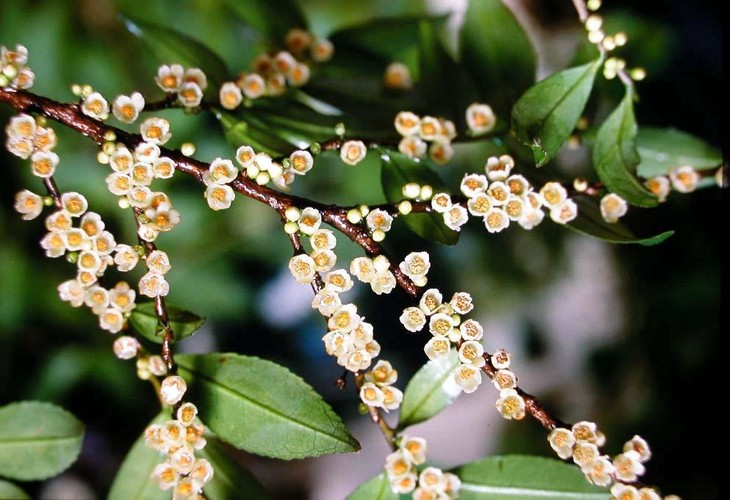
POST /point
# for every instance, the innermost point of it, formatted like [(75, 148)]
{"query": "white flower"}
[(470, 353), (221, 171), (345, 319), (172, 389), (146, 152), (111, 320), (71, 291), (158, 262), (322, 50), (43, 164), (599, 471), (414, 449), (480, 118), (155, 130), (230, 95), (21, 126), (326, 302), (253, 85), (338, 281), (196, 76), (126, 347), (190, 94), (431, 301), (441, 202), (684, 179), (301, 162), (473, 184), (363, 269), (628, 466), (413, 146), (584, 454), (471, 330), (298, 75), (416, 265), (309, 221), (613, 207), (383, 282), (437, 347), (153, 285), (467, 377), (323, 239), (95, 106), (515, 208), (324, 260), (455, 217), (659, 186), (397, 465), (407, 123), (510, 404), (441, 151), (553, 194), (479, 204), (163, 168), (497, 170), (379, 219), (564, 212), (531, 218), (639, 445), (562, 441), (219, 196), (28, 204), (127, 108), (142, 174), (397, 76), (371, 394), (353, 152), (169, 78), (461, 303), (121, 160), (302, 268)]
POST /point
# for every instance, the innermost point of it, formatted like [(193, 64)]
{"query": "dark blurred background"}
[(623, 335)]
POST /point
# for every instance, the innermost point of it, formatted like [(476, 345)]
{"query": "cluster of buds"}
[(133, 173), (13, 70), (511, 405), (377, 391), (178, 439), (425, 134), (582, 443), (188, 84), (431, 482), (350, 337), (273, 72)]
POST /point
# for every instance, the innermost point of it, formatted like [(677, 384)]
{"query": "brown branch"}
[(70, 116)]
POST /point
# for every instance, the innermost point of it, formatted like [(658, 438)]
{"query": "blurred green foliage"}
[(223, 263)]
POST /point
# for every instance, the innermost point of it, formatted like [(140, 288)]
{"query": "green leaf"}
[(172, 47), (546, 114), (497, 53), (398, 170), (519, 477), (270, 18), (9, 491), (263, 408), (661, 149), (253, 132), (37, 440), (429, 391), (183, 323), (231, 480), (446, 90), (590, 222), (615, 156), (375, 488), (132, 481)]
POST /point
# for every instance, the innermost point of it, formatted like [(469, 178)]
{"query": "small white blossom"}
[(441, 202), (397, 76), (613, 207), (379, 219), (659, 186), (413, 146), (467, 377), (562, 442), (326, 302), (190, 94), (371, 394), (553, 194), (510, 404), (416, 265), (353, 152), (169, 78), (584, 454), (126, 347), (219, 196), (684, 179), (461, 303), (253, 85), (628, 466), (441, 151), (95, 106), (172, 389), (363, 269), (155, 130), (480, 118), (455, 217), (383, 282), (302, 268), (111, 319), (599, 471), (471, 330), (431, 301), (43, 164), (153, 285), (301, 162), (323, 239), (473, 184), (309, 221), (479, 204), (126, 109), (496, 220), (28, 204), (230, 95), (407, 123), (221, 171), (71, 291), (437, 347), (565, 212), (338, 281), (470, 353), (639, 445)]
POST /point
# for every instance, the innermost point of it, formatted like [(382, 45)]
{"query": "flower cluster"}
[(188, 84), (350, 337), (375, 271), (431, 482), (272, 73), (378, 391), (27, 138), (133, 173), (418, 132), (178, 439), (582, 443), (511, 405), (500, 197), (13, 70)]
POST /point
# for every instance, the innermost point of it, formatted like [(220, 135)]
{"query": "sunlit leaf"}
[(37, 440), (132, 481), (183, 323), (546, 114), (272, 19), (172, 47), (398, 170), (661, 149), (375, 488), (518, 477), (497, 53), (429, 391), (253, 132), (591, 223), (263, 408), (615, 157), (10, 491)]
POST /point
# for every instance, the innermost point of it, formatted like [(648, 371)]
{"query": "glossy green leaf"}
[(37, 440), (231, 480), (272, 19), (615, 157), (398, 170), (375, 488), (497, 53), (446, 90), (183, 323), (251, 131), (519, 477), (546, 114), (429, 391), (661, 149), (132, 481), (10, 491), (172, 47), (590, 222), (263, 408)]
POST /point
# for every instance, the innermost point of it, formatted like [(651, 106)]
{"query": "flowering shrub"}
[(286, 115)]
